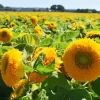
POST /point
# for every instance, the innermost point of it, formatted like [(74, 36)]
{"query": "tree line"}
[(55, 8)]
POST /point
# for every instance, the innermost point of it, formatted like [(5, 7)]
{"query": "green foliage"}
[(46, 42), (95, 86), (30, 39), (77, 94), (69, 35), (25, 46), (56, 79)]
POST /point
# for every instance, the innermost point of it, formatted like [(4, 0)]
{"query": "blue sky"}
[(68, 4)]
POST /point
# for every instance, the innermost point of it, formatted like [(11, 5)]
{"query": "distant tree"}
[(57, 8), (53, 8), (60, 8), (1, 6)]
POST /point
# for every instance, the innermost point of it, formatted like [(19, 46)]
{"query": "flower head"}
[(39, 30), (52, 25), (92, 34), (81, 60), (34, 19), (50, 55), (19, 88), (11, 67), (5, 35)]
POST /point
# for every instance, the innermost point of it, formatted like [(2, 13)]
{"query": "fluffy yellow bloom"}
[(92, 34), (34, 19), (11, 67), (39, 30), (50, 55), (81, 60), (5, 35), (52, 25), (19, 88)]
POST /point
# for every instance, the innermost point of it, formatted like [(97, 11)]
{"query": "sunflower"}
[(11, 67), (19, 89), (81, 60), (5, 35), (50, 55), (34, 19), (39, 30), (52, 25), (92, 34), (12, 24)]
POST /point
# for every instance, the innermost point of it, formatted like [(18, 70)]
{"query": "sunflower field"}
[(49, 56)]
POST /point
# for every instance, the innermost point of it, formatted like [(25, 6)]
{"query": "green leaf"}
[(57, 93), (46, 42), (30, 39), (25, 46), (28, 69), (56, 79), (96, 86), (77, 94), (69, 35)]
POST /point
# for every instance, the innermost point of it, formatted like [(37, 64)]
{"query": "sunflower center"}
[(83, 59), (4, 34)]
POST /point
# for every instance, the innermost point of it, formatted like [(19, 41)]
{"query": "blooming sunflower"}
[(52, 25), (34, 19), (5, 35), (12, 24), (81, 60), (11, 67), (19, 89), (92, 34), (39, 30), (50, 55)]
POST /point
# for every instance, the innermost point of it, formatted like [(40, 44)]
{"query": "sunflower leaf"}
[(46, 42), (95, 86), (29, 39), (56, 79), (25, 46), (77, 94)]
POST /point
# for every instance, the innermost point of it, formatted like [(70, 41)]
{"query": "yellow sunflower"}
[(92, 34), (12, 24), (11, 67), (34, 19), (19, 89), (81, 60), (5, 35), (50, 55), (39, 30), (52, 25)]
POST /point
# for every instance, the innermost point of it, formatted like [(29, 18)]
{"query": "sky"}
[(68, 4)]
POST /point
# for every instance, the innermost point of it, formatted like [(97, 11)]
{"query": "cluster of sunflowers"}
[(49, 59)]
